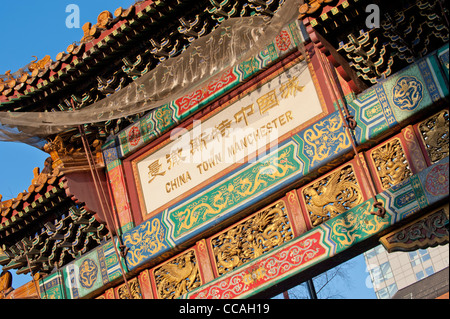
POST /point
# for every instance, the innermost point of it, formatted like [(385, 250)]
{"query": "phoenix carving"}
[(178, 276), (332, 195)]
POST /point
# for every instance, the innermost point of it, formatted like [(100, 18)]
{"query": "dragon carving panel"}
[(391, 164), (252, 238), (332, 195), (434, 132), (178, 276)]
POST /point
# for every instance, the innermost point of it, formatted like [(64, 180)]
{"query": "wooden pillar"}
[(204, 262), (144, 283), (300, 221), (116, 181)]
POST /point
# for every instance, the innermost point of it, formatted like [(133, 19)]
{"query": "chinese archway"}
[(331, 139)]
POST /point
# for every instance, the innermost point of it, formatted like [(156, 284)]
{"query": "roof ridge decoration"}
[(230, 42)]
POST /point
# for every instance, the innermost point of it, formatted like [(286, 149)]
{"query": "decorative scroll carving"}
[(428, 231), (332, 195), (435, 134), (391, 164), (122, 292), (178, 276), (251, 238)]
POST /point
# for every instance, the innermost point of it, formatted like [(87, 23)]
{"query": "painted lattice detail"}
[(391, 164), (178, 276), (251, 238), (332, 195), (435, 134)]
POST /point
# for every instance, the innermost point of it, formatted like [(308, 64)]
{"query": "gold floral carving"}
[(122, 292), (434, 131), (178, 276), (332, 195), (391, 164), (251, 238)]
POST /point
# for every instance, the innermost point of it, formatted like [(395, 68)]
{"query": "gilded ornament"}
[(332, 195), (356, 225), (407, 93), (391, 164), (122, 292), (435, 134), (144, 241), (324, 139), (235, 190), (88, 273), (178, 277), (252, 238)]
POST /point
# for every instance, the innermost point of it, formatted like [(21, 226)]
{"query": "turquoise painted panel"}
[(146, 241), (92, 271), (233, 192), (399, 97), (443, 60), (51, 287)]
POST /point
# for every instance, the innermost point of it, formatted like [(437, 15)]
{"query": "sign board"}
[(241, 132)]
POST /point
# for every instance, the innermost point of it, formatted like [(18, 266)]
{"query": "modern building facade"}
[(391, 272)]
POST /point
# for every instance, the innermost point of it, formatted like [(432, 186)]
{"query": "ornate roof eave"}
[(115, 52), (106, 44), (48, 77), (46, 225)]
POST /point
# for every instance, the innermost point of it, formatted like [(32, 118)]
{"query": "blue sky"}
[(31, 27)]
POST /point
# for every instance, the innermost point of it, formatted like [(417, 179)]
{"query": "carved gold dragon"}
[(391, 164), (251, 238), (435, 132)]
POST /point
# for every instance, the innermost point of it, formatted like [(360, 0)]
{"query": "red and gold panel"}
[(144, 283)]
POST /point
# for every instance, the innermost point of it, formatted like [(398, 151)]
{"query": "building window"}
[(418, 257), (374, 251), (381, 273), (429, 271), (387, 292), (419, 275)]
